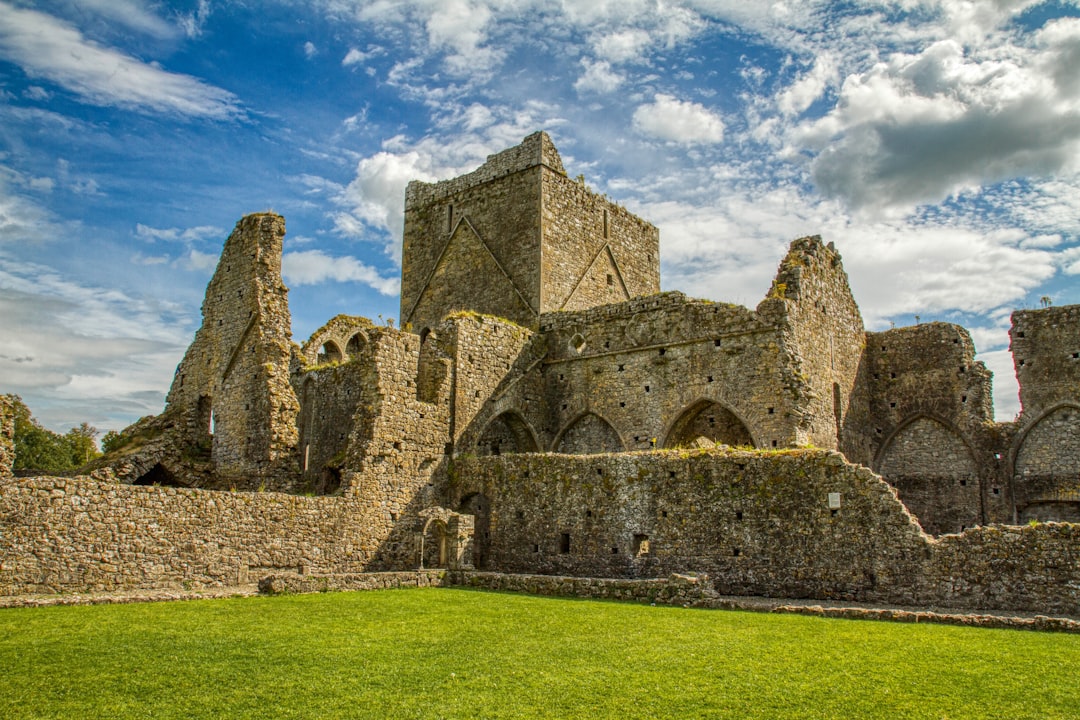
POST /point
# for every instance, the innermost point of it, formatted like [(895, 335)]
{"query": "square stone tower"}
[(516, 238)]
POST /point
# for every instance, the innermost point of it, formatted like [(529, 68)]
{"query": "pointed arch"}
[(1046, 466), (707, 422), (507, 432), (330, 352), (933, 469), (356, 344), (588, 434)]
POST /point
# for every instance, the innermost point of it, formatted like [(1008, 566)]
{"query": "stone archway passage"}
[(705, 424), (507, 433), (436, 545)]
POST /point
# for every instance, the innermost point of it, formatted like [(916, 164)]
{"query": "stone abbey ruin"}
[(544, 408)]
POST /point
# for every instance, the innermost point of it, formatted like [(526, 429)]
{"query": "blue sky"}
[(936, 142)]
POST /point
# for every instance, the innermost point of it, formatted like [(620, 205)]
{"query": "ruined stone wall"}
[(342, 338), (329, 397), (1045, 346), (823, 340), (491, 357), (652, 372), (930, 426), (794, 524), (78, 535), (594, 251), (1045, 454), (7, 437), (397, 449), (232, 393)]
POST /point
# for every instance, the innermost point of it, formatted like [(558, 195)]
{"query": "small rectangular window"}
[(564, 543)]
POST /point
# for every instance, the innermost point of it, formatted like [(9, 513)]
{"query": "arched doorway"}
[(477, 505), (435, 550)]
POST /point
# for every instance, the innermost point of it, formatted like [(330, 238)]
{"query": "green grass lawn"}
[(458, 653)]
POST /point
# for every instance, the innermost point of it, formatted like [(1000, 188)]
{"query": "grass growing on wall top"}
[(467, 654)]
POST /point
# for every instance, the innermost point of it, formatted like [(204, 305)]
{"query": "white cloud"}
[(376, 196), (808, 88), (919, 128), (35, 92), (131, 14), (311, 267), (311, 51), (46, 47), (193, 22), (598, 77), (1006, 388), (22, 219), (191, 234), (197, 261), (623, 45), (678, 121)]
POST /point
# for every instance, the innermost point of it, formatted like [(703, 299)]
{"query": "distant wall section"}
[(7, 437)]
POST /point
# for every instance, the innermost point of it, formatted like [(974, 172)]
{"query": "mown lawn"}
[(436, 653)]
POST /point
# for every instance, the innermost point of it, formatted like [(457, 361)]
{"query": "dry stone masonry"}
[(544, 409), (7, 437)]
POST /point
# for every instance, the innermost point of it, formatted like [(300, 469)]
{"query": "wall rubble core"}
[(544, 408)]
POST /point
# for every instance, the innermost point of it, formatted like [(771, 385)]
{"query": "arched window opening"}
[(507, 433), (329, 353), (356, 345)]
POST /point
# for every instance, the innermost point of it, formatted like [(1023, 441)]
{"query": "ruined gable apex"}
[(231, 392)]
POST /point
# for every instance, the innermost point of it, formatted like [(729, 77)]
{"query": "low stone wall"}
[(794, 524), (756, 524), (685, 590), (84, 535), (292, 583)]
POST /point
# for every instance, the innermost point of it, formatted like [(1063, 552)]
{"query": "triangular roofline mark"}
[(618, 273), (427, 282)]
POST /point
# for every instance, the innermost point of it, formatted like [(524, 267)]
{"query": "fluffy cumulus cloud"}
[(375, 197), (598, 78), (809, 87), (48, 48), (310, 267), (918, 128), (678, 121)]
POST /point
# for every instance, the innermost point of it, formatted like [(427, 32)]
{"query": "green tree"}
[(38, 448), (81, 440), (111, 440)]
